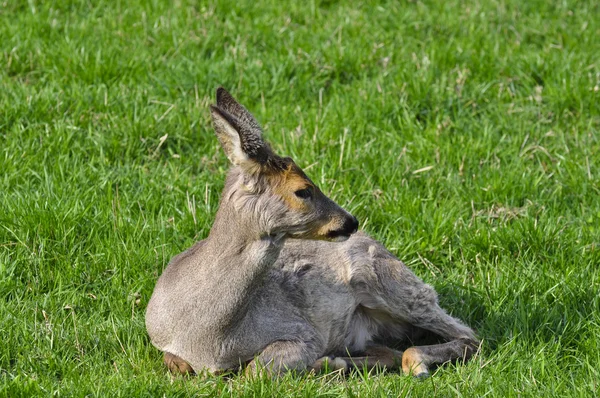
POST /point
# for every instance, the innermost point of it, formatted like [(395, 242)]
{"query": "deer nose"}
[(350, 225)]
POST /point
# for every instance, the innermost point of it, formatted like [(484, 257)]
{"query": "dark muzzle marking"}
[(350, 226)]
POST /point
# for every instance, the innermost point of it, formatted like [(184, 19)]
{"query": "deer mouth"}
[(340, 238)]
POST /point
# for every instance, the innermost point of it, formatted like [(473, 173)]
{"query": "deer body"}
[(273, 287)]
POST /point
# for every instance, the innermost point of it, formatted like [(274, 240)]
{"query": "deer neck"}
[(237, 232), (237, 255)]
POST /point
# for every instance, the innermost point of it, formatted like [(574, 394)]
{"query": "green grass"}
[(465, 135)]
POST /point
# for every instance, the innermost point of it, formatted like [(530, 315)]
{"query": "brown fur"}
[(178, 366), (413, 362), (288, 181)]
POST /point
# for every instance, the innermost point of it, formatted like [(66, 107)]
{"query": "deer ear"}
[(228, 136), (227, 102), (242, 145)]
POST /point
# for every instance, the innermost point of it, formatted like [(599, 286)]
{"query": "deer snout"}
[(349, 226)]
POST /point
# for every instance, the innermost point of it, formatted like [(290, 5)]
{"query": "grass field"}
[(465, 135)]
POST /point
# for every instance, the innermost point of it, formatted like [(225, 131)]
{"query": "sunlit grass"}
[(463, 135)]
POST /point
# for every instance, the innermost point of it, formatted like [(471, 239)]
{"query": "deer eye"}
[(303, 193)]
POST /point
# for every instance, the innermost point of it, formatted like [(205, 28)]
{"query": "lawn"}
[(464, 135)]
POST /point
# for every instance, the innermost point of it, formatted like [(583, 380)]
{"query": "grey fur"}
[(228, 103), (252, 293)]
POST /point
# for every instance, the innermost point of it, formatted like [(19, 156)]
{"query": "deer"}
[(284, 281)]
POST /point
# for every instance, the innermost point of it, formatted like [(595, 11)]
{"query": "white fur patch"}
[(358, 336), (230, 140), (372, 249), (238, 156), (338, 364)]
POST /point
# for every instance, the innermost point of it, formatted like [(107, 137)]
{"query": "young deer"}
[(283, 282)]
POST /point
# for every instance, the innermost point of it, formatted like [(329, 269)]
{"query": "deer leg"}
[(390, 288), (460, 341), (375, 357), (416, 360), (177, 366), (283, 356)]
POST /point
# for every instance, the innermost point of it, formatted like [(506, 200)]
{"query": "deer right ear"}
[(228, 136), (242, 145), (226, 102)]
